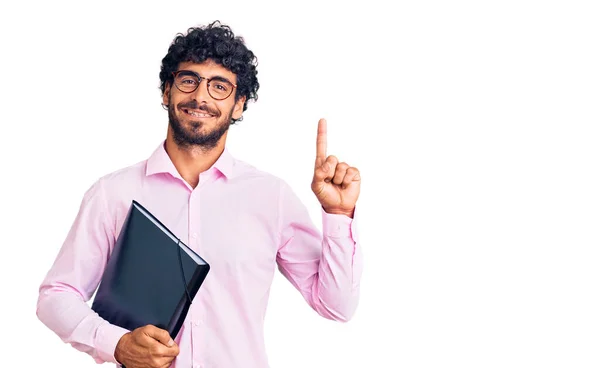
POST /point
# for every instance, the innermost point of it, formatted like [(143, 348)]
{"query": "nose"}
[(201, 93)]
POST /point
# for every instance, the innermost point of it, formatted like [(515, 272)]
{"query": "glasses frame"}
[(208, 80)]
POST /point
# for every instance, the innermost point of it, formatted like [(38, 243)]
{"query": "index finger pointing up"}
[(321, 142)]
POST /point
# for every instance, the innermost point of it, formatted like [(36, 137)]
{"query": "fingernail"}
[(171, 342), (326, 167)]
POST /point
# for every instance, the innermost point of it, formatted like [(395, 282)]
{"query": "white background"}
[(475, 125)]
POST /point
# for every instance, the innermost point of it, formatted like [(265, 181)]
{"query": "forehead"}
[(208, 69)]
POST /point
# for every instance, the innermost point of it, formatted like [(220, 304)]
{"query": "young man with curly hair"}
[(243, 221)]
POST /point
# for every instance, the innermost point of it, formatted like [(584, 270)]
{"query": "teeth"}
[(198, 114)]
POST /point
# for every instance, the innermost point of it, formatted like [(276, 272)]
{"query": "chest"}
[(236, 232)]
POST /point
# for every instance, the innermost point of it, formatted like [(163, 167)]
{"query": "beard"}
[(192, 136)]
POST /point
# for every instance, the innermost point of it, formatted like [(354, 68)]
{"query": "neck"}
[(191, 161)]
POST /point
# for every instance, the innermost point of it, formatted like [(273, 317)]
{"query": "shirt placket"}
[(196, 312)]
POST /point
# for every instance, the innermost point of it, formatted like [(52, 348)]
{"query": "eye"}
[(220, 86), (188, 81)]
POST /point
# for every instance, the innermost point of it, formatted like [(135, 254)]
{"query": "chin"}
[(195, 125)]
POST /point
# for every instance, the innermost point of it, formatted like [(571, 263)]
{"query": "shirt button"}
[(196, 323), (194, 235)]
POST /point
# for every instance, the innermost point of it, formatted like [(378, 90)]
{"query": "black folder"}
[(151, 276)]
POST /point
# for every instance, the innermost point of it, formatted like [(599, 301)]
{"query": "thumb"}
[(160, 335)]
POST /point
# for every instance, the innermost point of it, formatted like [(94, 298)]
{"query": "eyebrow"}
[(216, 77), (222, 79)]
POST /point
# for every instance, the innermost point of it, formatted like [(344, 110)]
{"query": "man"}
[(243, 221)]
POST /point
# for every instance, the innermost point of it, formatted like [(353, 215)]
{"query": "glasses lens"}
[(220, 89), (186, 82)]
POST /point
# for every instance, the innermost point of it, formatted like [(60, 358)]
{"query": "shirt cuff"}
[(107, 339), (339, 226)]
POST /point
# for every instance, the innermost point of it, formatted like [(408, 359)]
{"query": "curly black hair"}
[(216, 42)]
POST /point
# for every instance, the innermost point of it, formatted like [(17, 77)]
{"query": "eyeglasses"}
[(188, 81)]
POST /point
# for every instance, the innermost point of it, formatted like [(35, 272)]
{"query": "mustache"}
[(194, 105)]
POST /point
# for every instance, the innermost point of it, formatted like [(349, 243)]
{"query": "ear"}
[(166, 94), (238, 109)]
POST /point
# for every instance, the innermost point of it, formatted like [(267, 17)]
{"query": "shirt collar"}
[(160, 162)]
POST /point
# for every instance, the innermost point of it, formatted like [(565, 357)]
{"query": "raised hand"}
[(147, 346), (336, 184)]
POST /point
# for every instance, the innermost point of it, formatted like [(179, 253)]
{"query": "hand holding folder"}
[(146, 346), (151, 276)]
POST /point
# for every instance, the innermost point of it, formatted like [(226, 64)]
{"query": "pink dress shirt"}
[(242, 221)]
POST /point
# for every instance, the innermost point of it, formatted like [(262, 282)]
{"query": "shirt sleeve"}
[(326, 268), (73, 278)]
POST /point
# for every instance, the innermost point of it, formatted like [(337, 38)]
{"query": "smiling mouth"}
[(197, 113)]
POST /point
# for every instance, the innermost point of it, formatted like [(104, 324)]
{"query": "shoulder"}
[(261, 185), (248, 173), (116, 181), (125, 175)]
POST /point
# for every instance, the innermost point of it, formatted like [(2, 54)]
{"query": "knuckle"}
[(154, 349)]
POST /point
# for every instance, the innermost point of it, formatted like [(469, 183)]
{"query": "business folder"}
[(151, 276)]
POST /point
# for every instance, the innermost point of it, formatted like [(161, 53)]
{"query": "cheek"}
[(174, 101), (224, 108)]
